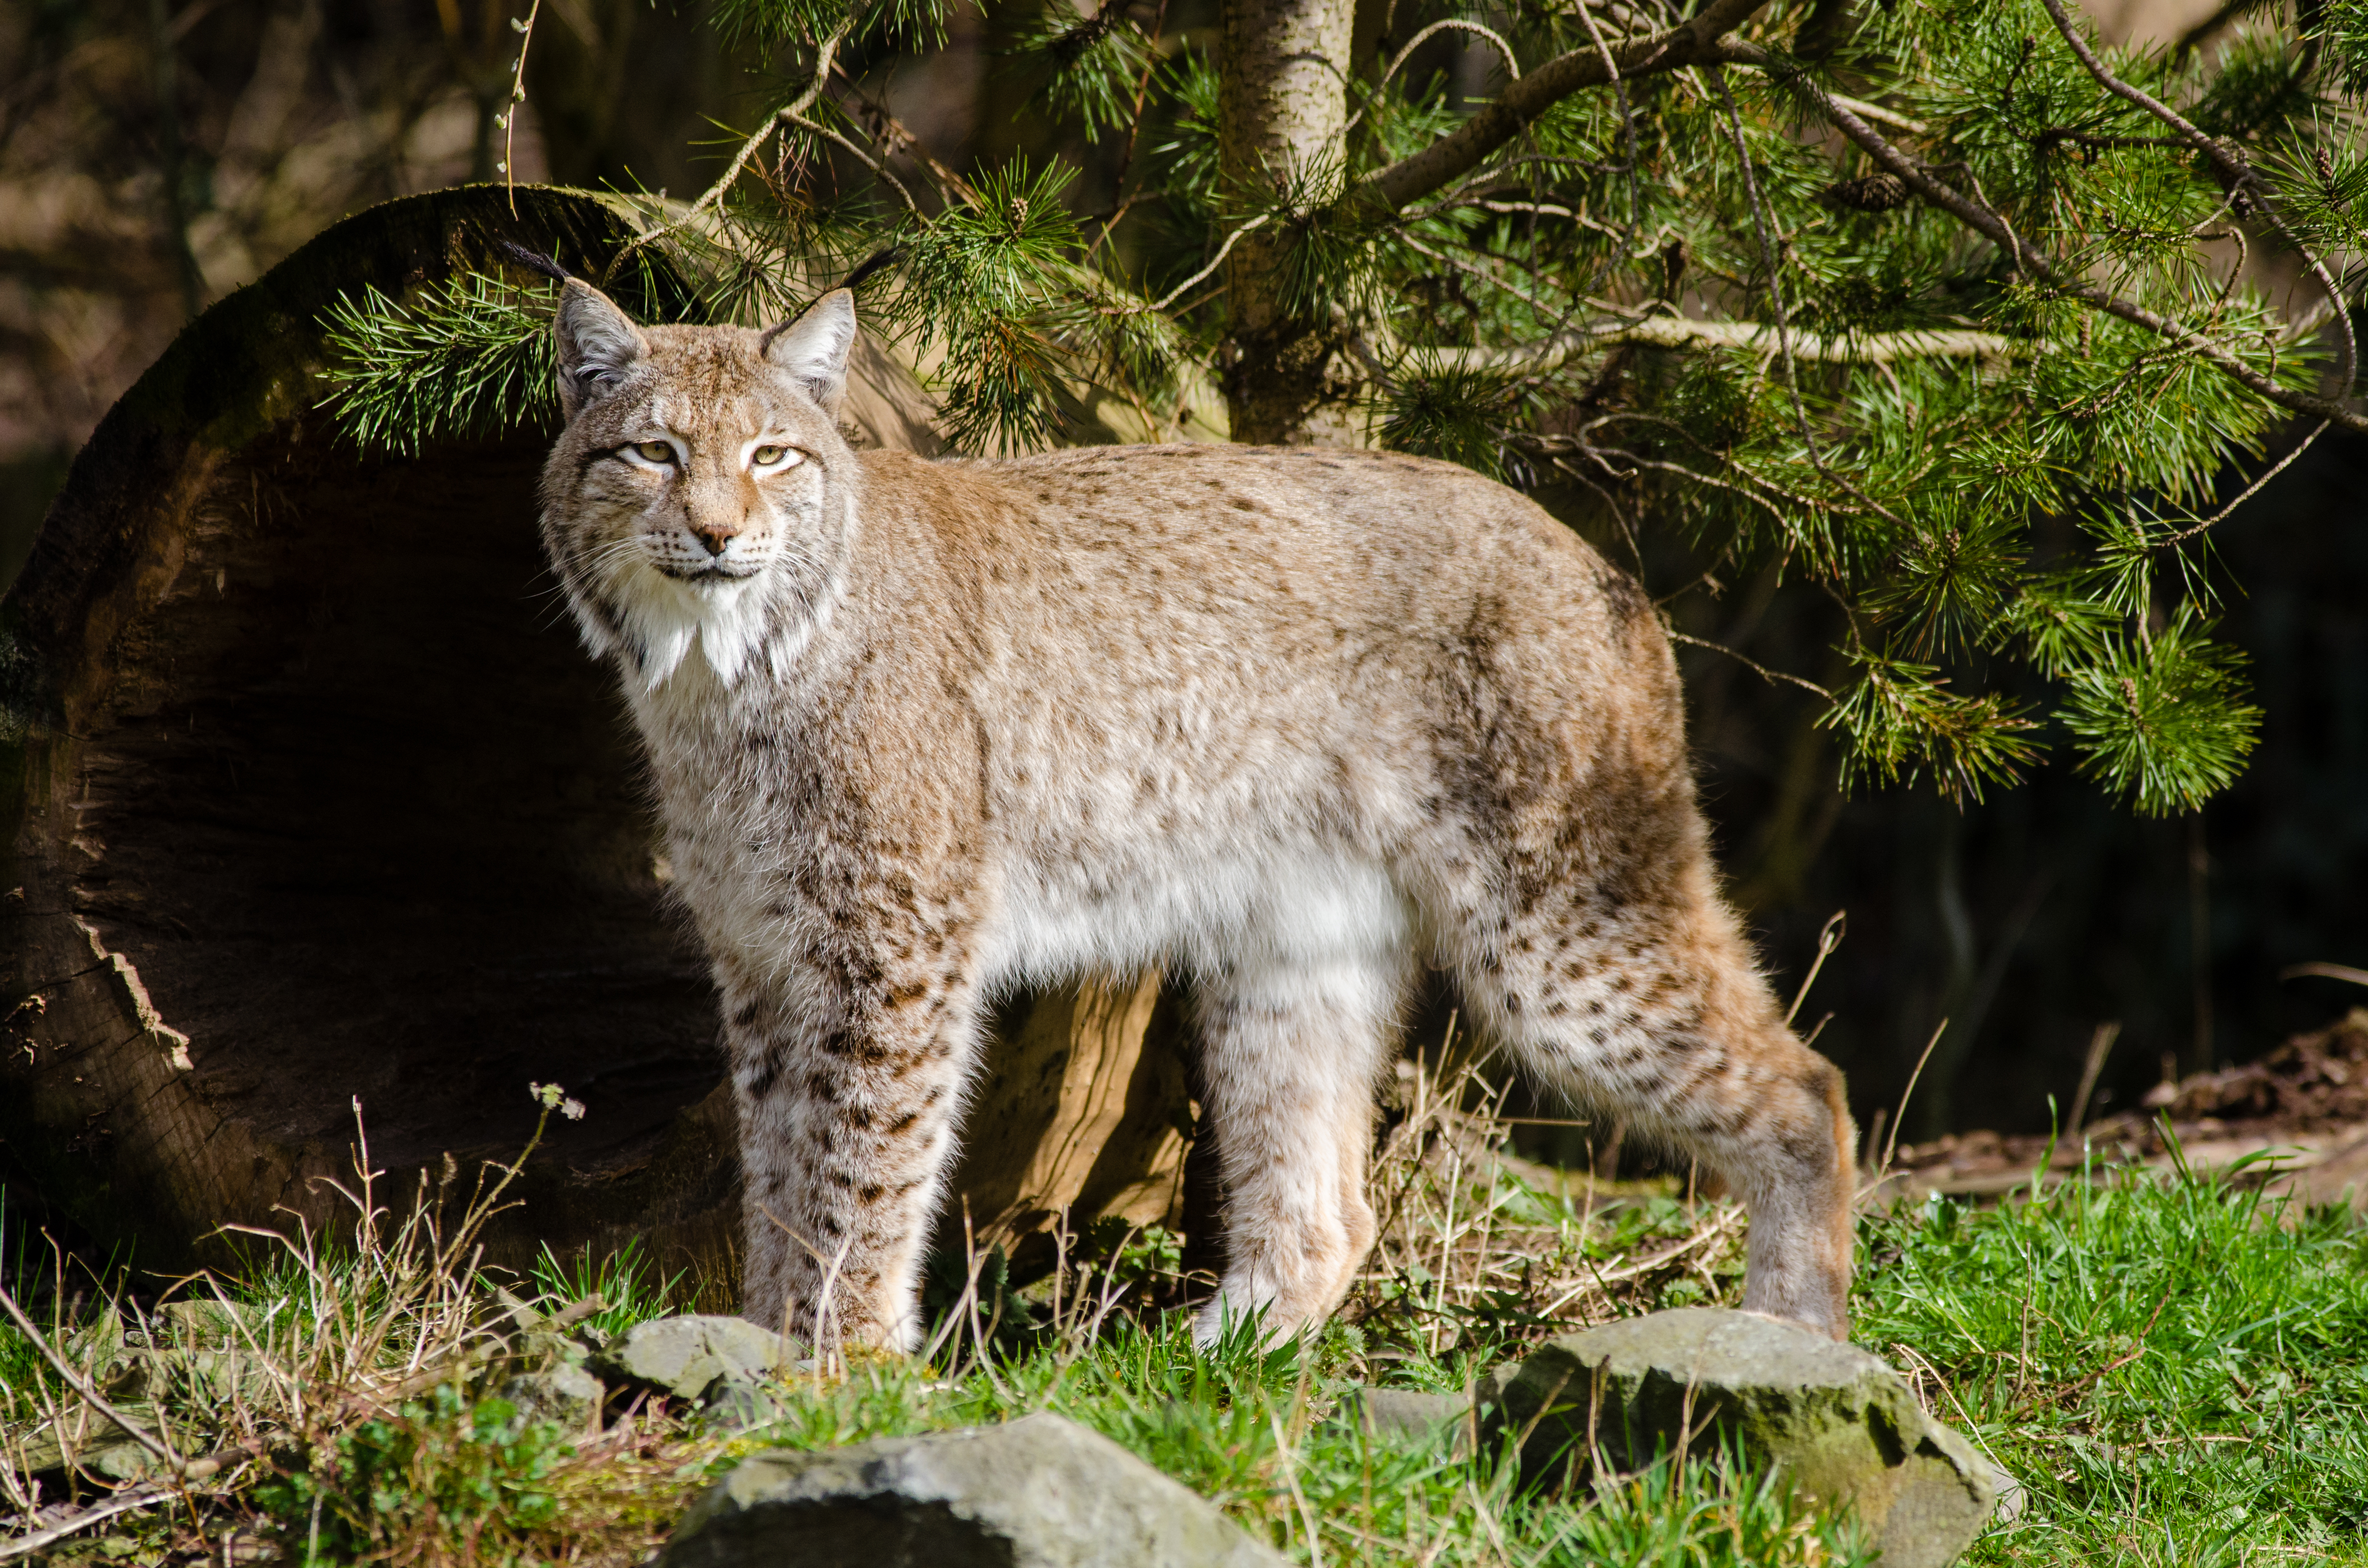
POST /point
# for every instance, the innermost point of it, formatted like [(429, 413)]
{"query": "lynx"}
[(1289, 722)]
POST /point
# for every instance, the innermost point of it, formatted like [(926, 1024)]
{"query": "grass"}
[(2175, 1369)]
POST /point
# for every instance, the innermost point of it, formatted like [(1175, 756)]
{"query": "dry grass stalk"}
[(1476, 1244), (316, 1336)]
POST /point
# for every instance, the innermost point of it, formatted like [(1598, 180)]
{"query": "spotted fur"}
[(1286, 721)]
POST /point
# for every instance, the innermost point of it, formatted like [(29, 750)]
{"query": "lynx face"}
[(702, 498)]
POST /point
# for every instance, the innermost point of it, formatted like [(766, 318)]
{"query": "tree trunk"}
[(318, 809), (1284, 114)]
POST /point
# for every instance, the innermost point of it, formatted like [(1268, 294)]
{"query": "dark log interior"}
[(367, 820)]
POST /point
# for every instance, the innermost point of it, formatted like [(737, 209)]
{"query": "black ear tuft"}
[(533, 260), (878, 261)]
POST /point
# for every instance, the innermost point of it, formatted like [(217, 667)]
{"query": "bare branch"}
[(1681, 331), (1691, 43), (125, 1501), (1512, 62), (789, 114), (1214, 262), (517, 95), (1772, 677), (1881, 116), (2276, 469)]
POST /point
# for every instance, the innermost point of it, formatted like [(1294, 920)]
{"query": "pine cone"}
[(1876, 193)]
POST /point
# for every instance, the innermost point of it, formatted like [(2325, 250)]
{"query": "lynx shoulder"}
[(1290, 722)]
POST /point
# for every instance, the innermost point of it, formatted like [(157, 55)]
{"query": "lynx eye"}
[(654, 451), (775, 457)]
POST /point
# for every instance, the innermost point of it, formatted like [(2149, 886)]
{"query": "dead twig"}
[(85, 1393)]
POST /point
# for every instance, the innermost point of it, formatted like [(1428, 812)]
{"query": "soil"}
[(2298, 1107)]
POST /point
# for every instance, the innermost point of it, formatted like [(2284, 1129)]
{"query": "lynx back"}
[(1290, 722)]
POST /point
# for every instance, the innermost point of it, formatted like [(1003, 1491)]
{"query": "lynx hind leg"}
[(1291, 1052), (1649, 1009)]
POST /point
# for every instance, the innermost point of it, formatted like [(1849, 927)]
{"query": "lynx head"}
[(700, 493)]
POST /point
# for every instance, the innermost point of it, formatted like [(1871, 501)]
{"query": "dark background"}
[(155, 156)]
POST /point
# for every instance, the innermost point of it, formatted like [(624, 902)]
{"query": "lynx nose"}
[(714, 536)]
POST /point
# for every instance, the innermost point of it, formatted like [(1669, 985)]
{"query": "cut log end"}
[(320, 811)]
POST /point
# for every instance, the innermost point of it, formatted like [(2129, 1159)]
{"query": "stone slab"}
[(1041, 1492)]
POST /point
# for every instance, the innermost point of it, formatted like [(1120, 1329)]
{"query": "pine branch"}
[(2243, 180), (2035, 263), (467, 357), (1691, 43), (2161, 722), (791, 113)]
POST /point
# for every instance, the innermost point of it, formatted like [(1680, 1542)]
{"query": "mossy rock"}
[(1833, 1417)]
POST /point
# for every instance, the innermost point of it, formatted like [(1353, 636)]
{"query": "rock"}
[(1840, 1420), (733, 1407), (122, 1462), (2011, 1498), (1039, 1492), (203, 1324), (1404, 1413), (562, 1392), (684, 1356), (82, 1433)]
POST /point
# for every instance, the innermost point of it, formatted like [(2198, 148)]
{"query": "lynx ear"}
[(814, 348), (596, 344)]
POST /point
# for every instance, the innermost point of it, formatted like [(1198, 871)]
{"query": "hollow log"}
[(320, 817)]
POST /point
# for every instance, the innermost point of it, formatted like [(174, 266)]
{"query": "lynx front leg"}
[(1293, 1053), (848, 1093)]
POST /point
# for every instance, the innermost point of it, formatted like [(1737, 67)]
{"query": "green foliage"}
[(468, 358), (1999, 529), (1244, 1427), (2174, 1367), (2341, 40), (1952, 576), (626, 1281), (982, 281), (1189, 83), (2159, 719), (1902, 722), (1447, 411), (447, 1478), (1133, 1254), (1097, 64), (22, 1366), (771, 24)]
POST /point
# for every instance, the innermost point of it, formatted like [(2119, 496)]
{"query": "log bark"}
[(314, 804)]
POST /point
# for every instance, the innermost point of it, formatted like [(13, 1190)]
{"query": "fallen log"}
[(316, 808)]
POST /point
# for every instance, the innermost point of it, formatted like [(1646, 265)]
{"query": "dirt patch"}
[(2303, 1102)]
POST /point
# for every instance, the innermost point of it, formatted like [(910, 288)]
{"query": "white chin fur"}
[(663, 617)]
